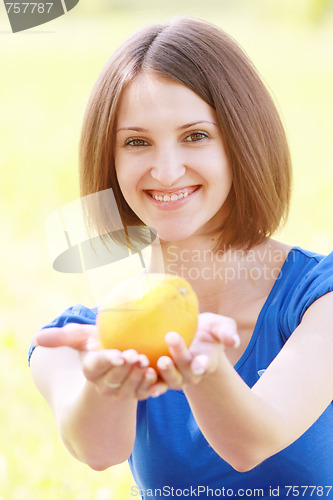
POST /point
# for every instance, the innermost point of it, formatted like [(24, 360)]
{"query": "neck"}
[(225, 276), (180, 257)]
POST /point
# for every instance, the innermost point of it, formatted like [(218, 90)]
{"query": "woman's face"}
[(170, 160)]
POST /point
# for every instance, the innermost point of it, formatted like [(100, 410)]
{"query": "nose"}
[(167, 167)]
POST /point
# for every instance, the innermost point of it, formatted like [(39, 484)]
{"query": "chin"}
[(173, 235)]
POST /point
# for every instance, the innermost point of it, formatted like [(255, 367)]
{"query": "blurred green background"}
[(46, 77)]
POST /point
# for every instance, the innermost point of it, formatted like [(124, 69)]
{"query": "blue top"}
[(171, 457)]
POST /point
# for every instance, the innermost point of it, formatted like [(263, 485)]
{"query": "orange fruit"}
[(139, 312)]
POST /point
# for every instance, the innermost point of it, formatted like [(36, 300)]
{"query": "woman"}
[(182, 129)]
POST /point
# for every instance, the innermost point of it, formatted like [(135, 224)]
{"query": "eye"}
[(196, 136), (135, 142)]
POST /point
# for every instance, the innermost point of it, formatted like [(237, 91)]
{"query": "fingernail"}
[(237, 341), (144, 362), (164, 363), (149, 376), (158, 390), (118, 362), (172, 338), (131, 356), (200, 364), (198, 371)]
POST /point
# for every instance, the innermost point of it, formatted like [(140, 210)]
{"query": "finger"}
[(199, 364), (149, 378), (129, 385), (175, 379), (158, 389), (77, 336), (181, 358), (143, 361), (114, 379), (178, 349), (169, 372), (96, 364), (122, 364), (222, 328), (131, 356)]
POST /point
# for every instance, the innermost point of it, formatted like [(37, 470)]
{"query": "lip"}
[(188, 189), (171, 205)]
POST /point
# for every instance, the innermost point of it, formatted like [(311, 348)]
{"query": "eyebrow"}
[(181, 127)]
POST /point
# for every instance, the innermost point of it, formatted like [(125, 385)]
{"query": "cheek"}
[(226, 172), (128, 184), (124, 172), (128, 170), (223, 177), (120, 179), (123, 185)]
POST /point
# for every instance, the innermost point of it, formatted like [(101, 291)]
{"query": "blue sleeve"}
[(76, 314), (315, 283)]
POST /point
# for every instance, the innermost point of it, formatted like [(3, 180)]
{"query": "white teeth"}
[(173, 197)]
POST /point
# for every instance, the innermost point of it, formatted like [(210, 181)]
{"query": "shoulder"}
[(321, 312), (305, 277), (301, 260), (74, 314), (312, 274)]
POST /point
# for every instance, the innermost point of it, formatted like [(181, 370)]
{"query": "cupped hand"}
[(189, 365), (124, 374)]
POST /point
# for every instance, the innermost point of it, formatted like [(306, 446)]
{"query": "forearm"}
[(241, 427), (98, 429)]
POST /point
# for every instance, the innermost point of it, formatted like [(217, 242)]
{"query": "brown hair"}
[(209, 62)]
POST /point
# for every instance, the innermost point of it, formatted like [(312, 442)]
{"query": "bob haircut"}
[(209, 62)]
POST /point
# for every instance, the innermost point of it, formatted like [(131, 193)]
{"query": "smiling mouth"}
[(178, 194)]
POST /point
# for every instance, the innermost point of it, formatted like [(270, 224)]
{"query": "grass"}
[(33, 463), (47, 75)]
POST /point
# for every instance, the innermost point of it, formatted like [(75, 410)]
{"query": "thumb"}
[(77, 336)]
